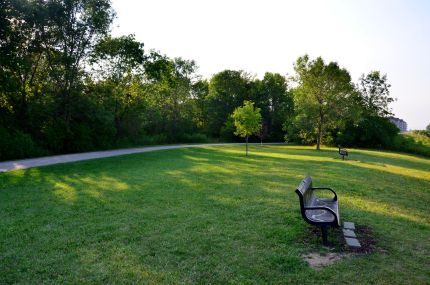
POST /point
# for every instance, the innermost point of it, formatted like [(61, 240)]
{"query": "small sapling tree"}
[(262, 133), (247, 120)]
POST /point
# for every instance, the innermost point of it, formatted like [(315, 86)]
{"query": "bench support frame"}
[(324, 235)]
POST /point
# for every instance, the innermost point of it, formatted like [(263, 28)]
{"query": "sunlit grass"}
[(210, 215)]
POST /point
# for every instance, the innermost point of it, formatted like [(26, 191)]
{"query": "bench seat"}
[(322, 215)]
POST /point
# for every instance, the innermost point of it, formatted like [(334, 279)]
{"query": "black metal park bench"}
[(321, 212), (343, 152)]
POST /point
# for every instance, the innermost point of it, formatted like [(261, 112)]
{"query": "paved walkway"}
[(49, 160)]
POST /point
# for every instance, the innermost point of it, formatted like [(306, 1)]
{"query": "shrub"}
[(369, 132), (413, 142), (16, 145), (194, 138)]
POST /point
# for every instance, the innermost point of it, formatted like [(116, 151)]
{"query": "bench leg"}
[(324, 235)]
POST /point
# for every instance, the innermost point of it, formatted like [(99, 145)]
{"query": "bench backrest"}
[(305, 195), (342, 151)]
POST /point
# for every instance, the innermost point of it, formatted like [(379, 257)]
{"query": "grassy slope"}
[(413, 142), (418, 137), (209, 215)]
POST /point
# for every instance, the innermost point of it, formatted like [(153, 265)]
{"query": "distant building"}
[(402, 125)]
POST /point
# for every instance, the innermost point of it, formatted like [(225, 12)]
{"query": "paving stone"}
[(348, 225), (352, 242), (349, 233)]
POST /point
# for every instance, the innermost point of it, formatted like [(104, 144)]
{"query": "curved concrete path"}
[(49, 160)]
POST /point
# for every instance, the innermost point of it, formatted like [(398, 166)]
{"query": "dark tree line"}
[(67, 85)]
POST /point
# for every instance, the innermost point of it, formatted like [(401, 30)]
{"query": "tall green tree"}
[(22, 56), (200, 90), (375, 94), (370, 126), (275, 101), (118, 63), (247, 120), (227, 91), (74, 28), (171, 90), (115, 58), (321, 97)]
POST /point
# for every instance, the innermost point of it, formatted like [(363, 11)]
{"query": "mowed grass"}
[(210, 215)]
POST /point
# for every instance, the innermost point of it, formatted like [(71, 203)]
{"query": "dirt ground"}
[(322, 256)]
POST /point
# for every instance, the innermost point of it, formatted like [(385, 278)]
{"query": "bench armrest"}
[(326, 188)]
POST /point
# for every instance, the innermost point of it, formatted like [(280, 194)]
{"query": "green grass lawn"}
[(209, 215)]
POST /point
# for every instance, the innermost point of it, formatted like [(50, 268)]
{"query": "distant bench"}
[(322, 212), (343, 152)]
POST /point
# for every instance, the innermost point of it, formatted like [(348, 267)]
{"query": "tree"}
[(262, 133), (247, 121), (115, 58), (274, 97), (369, 127), (74, 28), (367, 131), (170, 88), (322, 96), (375, 94), (271, 95), (227, 91), (21, 57), (428, 130), (118, 62), (200, 90)]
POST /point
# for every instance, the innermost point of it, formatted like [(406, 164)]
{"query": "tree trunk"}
[(246, 146), (22, 112), (319, 138), (319, 134)]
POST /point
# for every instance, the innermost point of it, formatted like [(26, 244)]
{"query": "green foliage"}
[(70, 49), (322, 98), (247, 119), (68, 85), (375, 94), (194, 138), (227, 131), (368, 131), (417, 142), (16, 144), (369, 126), (227, 91), (172, 101), (117, 58), (272, 96)]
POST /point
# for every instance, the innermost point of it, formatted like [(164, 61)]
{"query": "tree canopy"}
[(68, 85), (375, 94), (321, 97)]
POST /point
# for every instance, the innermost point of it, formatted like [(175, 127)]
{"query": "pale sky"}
[(259, 36)]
